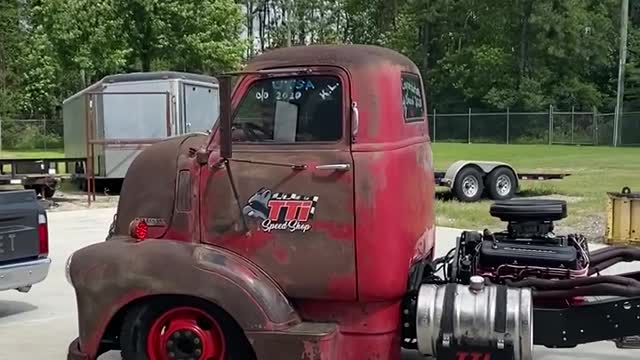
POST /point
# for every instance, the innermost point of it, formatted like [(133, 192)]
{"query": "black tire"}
[(469, 185), (138, 322), (48, 192), (501, 184)]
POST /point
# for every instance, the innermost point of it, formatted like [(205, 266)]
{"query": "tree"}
[(10, 47), (50, 49), (522, 54), (189, 35)]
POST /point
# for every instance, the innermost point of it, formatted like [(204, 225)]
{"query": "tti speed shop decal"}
[(281, 211)]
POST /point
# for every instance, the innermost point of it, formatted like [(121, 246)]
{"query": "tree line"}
[(489, 55)]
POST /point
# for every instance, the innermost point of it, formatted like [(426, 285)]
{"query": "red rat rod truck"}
[(303, 227)]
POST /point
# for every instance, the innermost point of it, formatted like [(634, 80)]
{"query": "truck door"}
[(300, 221)]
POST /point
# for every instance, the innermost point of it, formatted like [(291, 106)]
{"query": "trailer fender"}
[(108, 277), (484, 166)]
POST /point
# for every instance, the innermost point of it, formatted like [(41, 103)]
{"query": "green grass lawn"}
[(594, 172), (26, 154)]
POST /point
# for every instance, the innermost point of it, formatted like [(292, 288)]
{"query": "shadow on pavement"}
[(10, 308)]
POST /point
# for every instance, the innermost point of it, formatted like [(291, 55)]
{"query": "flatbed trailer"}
[(470, 180), (39, 174)]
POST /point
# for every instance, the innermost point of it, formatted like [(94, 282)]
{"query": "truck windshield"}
[(290, 110)]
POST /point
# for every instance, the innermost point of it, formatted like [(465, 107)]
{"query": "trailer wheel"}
[(468, 185), (180, 330), (48, 192), (501, 184)]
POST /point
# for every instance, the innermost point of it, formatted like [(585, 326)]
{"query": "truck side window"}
[(290, 110), (412, 98)]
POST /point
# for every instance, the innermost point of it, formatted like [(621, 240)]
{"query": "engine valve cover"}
[(494, 254)]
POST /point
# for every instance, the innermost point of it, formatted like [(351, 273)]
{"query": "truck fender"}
[(109, 276), (484, 166)]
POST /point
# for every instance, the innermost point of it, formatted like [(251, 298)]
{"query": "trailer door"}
[(201, 107)]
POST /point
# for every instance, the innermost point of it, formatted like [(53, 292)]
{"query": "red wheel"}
[(185, 333), (181, 329)]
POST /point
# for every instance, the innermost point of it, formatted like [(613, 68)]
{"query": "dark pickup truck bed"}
[(24, 241)]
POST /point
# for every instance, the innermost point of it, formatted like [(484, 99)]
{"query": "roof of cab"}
[(346, 56)]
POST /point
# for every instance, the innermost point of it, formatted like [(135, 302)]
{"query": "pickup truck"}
[(24, 241)]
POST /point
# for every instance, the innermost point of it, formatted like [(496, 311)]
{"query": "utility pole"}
[(624, 23)]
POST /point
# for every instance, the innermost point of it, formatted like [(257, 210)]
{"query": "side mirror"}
[(224, 82)]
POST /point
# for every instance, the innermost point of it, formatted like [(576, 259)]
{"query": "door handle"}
[(338, 167)]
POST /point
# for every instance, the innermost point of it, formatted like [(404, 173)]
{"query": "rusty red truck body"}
[(301, 227), (298, 286)]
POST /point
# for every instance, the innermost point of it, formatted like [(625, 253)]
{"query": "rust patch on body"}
[(281, 255), (306, 260), (305, 341), (236, 285), (149, 187)]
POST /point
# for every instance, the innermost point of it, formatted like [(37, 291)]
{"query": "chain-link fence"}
[(29, 135), (548, 127), (545, 127)]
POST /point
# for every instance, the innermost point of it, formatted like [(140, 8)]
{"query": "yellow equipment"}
[(623, 217)]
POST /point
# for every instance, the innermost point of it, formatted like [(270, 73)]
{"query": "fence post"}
[(550, 124), (44, 135), (469, 128), (434, 124), (573, 111), (620, 127), (507, 125), (595, 125)]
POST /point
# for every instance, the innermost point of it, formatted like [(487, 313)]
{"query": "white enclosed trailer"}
[(135, 107)]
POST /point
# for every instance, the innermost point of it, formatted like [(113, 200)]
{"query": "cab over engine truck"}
[(302, 227)]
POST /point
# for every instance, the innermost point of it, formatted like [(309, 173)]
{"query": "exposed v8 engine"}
[(528, 248)]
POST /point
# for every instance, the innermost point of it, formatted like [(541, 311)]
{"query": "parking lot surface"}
[(40, 324)]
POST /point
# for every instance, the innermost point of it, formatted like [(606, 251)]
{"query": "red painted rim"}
[(185, 333)]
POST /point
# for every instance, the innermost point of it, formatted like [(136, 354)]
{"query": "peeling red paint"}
[(374, 347), (249, 243), (357, 318), (340, 284), (389, 232), (281, 255), (335, 231)]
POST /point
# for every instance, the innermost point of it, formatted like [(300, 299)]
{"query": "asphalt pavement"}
[(40, 324)]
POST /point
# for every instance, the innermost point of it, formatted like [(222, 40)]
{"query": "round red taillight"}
[(138, 229)]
